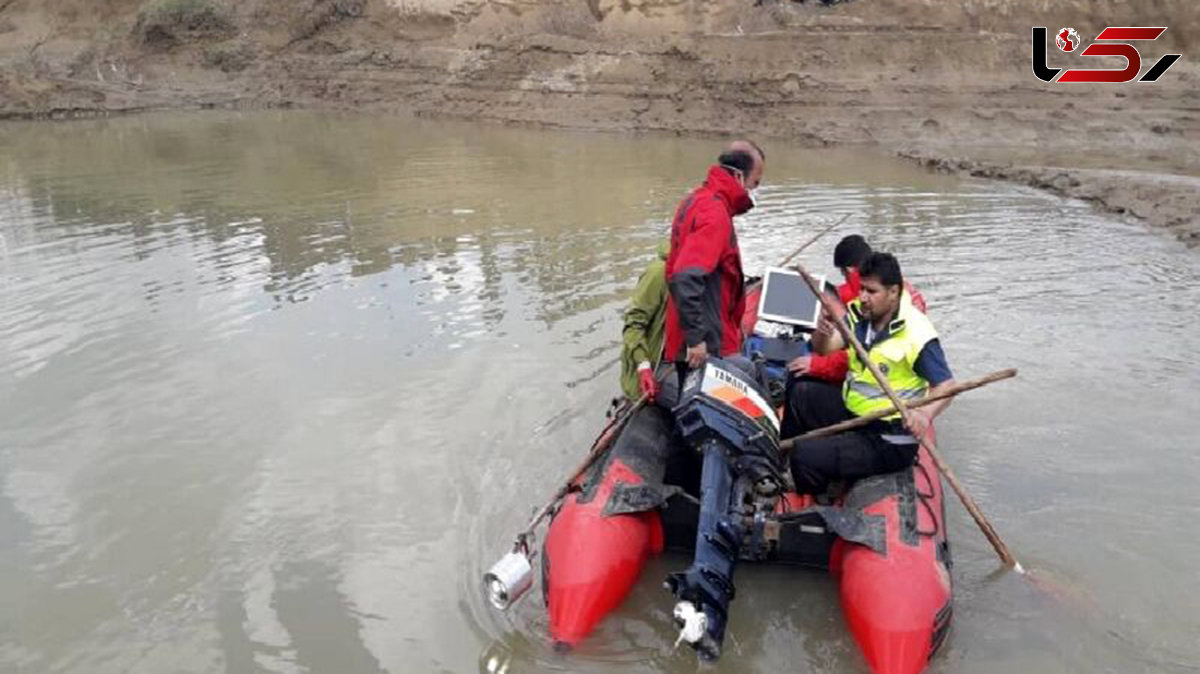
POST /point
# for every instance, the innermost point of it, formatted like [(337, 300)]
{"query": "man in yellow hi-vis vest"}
[(904, 344)]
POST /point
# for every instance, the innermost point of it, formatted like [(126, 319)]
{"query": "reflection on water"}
[(276, 387)]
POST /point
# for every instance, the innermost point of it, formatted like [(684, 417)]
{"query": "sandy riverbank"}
[(947, 84)]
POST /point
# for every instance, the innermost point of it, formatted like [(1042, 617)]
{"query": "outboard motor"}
[(725, 415)]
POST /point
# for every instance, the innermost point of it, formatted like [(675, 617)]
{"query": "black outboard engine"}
[(725, 415)]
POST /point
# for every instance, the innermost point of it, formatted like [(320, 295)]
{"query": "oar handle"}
[(813, 240), (602, 442), (858, 422), (849, 337)]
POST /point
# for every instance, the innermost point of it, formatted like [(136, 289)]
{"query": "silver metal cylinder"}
[(508, 579)]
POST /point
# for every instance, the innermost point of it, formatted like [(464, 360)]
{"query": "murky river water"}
[(275, 388)]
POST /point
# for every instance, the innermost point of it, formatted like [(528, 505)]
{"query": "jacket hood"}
[(736, 199), (854, 281)]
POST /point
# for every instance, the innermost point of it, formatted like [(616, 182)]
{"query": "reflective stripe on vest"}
[(872, 391), (895, 356)]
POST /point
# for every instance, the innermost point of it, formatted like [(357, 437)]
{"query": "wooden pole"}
[(984, 525), (858, 422), (602, 442), (813, 240)]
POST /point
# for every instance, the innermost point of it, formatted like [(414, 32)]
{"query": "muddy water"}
[(275, 388)]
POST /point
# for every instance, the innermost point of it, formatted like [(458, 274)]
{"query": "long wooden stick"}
[(858, 422), (813, 240), (984, 525), (602, 442)]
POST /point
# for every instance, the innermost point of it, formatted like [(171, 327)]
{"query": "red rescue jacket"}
[(704, 270)]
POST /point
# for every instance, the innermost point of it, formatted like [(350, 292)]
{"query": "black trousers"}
[(853, 455)]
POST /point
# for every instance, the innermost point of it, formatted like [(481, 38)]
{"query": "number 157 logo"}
[(1067, 40)]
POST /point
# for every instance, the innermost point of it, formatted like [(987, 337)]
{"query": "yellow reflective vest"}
[(895, 355)]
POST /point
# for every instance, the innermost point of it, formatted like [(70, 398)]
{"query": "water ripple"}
[(277, 387)]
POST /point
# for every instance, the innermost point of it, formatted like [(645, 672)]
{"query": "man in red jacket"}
[(704, 269)]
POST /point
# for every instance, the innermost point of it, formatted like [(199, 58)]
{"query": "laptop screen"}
[(786, 298)]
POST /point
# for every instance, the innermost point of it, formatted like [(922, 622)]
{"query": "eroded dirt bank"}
[(948, 84)]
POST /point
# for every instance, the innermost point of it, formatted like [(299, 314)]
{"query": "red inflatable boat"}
[(883, 540)]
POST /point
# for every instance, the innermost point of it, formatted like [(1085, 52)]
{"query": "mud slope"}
[(948, 84)]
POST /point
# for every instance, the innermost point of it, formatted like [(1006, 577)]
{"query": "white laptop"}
[(786, 299)]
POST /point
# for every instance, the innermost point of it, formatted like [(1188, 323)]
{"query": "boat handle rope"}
[(924, 499)]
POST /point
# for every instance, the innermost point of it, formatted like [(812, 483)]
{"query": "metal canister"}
[(508, 579)]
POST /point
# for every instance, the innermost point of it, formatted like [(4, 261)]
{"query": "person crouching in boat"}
[(642, 336), (904, 344), (848, 257)]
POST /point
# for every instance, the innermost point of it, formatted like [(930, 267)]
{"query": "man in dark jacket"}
[(704, 268)]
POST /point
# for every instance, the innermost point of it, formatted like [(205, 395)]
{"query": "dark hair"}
[(884, 267), (742, 161), (851, 251)]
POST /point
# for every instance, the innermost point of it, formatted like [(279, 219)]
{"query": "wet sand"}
[(948, 85)]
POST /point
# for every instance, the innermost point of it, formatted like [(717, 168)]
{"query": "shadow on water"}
[(322, 627)]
